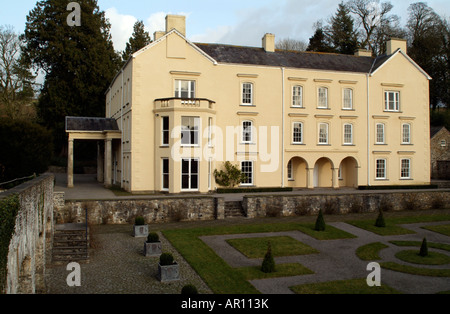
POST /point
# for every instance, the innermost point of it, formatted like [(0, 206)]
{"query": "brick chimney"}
[(268, 42), (363, 53), (395, 43), (177, 22)]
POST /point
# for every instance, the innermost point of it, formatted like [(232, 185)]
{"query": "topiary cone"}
[(268, 264), (380, 220), (424, 248), (320, 222)]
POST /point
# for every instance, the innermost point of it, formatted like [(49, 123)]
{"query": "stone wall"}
[(158, 210), (30, 244), (279, 205)]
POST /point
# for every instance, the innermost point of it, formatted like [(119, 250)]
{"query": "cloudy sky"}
[(227, 21)]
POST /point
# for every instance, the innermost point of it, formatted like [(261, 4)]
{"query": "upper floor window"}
[(184, 89), (190, 127), (165, 131), (380, 138), (348, 99), (297, 134), (323, 133), (297, 96), (406, 133), (443, 143), (247, 132), (247, 94), (348, 134), (392, 101), (322, 98)]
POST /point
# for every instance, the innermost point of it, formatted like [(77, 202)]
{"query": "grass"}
[(416, 270), (369, 252), (352, 286), (433, 258), (392, 223), (442, 229), (282, 270), (281, 246), (440, 246), (219, 276)]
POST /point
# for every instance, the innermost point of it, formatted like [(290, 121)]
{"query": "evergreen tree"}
[(424, 248), (319, 42), (79, 62), (137, 41), (380, 223), (268, 264), (320, 222), (341, 30)]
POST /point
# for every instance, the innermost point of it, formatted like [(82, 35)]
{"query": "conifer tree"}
[(137, 41), (424, 248), (319, 42), (268, 264), (79, 62), (341, 31), (320, 222), (380, 223)]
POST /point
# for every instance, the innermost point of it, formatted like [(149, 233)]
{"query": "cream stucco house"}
[(288, 119)]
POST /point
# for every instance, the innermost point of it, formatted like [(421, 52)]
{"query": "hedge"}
[(9, 208)]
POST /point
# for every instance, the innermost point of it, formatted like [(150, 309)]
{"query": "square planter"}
[(168, 273), (140, 231), (153, 249)]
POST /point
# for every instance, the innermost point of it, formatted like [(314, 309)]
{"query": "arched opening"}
[(323, 173), (297, 173), (348, 173)]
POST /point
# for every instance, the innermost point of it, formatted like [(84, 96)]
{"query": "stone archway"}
[(323, 173), (348, 173), (297, 172)]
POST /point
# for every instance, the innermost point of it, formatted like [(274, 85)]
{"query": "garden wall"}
[(356, 202), (158, 210), (31, 238)]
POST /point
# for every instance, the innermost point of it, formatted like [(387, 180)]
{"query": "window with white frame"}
[(405, 172), (348, 134), (297, 96), (290, 173), (190, 174), (406, 133), (348, 99), (184, 89), (247, 170), (323, 133), (392, 101), (165, 174), (165, 131), (190, 127), (443, 143), (380, 169), (322, 98), (297, 133), (380, 136), (247, 132), (247, 94)]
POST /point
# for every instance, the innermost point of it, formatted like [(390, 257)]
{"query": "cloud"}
[(121, 27)]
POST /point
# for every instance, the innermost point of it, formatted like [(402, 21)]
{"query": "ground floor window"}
[(165, 174), (247, 170), (189, 174), (405, 169), (381, 169)]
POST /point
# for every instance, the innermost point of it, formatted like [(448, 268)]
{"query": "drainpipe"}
[(121, 143), (368, 130), (282, 129)]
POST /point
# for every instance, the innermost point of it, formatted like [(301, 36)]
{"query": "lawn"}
[(442, 229), (281, 246), (352, 286)]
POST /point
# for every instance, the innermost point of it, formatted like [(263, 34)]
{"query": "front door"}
[(189, 174)]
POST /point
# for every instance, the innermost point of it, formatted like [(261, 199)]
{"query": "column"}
[(335, 178), (108, 163), (70, 164), (310, 179), (100, 165)]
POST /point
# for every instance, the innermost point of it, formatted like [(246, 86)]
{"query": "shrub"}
[(380, 223), (139, 221), (26, 149), (320, 222), (189, 289), (424, 248), (166, 259), (152, 237), (231, 177), (268, 264)]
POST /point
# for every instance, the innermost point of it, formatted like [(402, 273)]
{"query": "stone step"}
[(233, 209), (70, 243)]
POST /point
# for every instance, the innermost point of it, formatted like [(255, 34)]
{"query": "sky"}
[(234, 22)]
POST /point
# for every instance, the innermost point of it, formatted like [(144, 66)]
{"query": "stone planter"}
[(140, 231), (152, 249), (168, 273)]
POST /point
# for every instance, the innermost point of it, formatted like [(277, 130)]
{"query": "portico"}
[(97, 129)]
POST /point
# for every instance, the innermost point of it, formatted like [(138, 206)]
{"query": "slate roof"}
[(91, 124), (291, 59), (435, 129)]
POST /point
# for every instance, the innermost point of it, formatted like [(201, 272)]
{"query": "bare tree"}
[(16, 80), (291, 44)]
